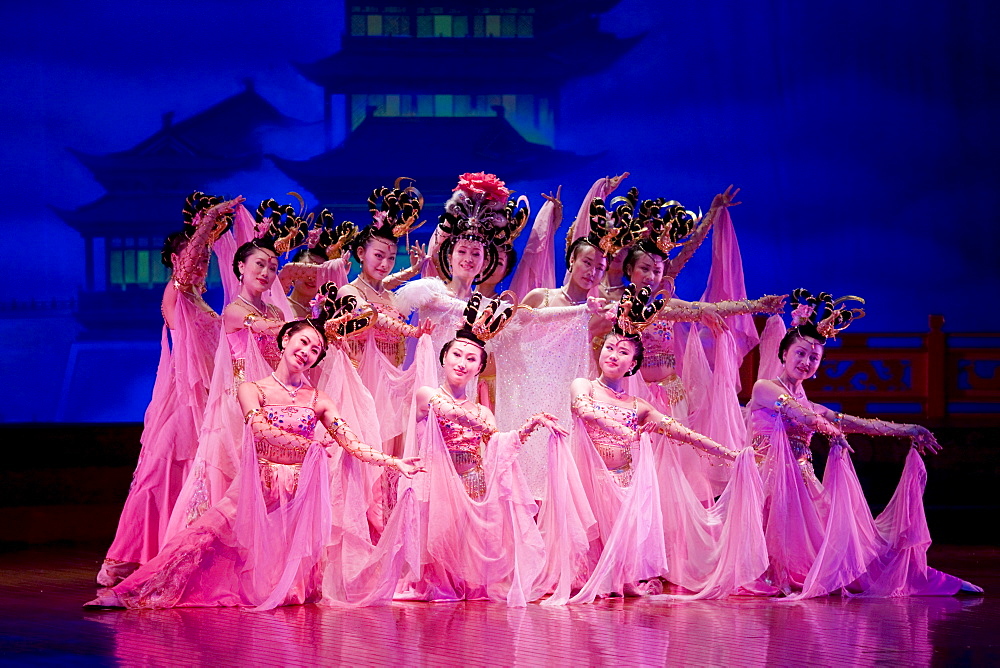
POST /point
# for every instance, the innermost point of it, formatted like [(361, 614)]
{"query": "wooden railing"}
[(935, 377)]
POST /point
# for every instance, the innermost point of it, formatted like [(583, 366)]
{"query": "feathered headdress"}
[(280, 225), (479, 327), (615, 227), (635, 312), (329, 239), (670, 224), (479, 210), (821, 317), (196, 204), (339, 317)]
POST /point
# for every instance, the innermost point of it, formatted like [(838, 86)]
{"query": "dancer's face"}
[(308, 283), (462, 361), (467, 258), (617, 356), (259, 270), (802, 359), (301, 348), (378, 258), (647, 272), (587, 267)]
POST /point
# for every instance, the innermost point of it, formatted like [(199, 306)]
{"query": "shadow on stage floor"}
[(42, 623)]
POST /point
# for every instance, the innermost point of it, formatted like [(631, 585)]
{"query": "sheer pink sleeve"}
[(536, 268)]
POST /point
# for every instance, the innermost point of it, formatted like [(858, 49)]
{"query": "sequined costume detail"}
[(391, 343), (611, 446), (799, 438), (465, 447), (276, 461)]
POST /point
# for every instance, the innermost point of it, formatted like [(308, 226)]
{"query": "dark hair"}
[(511, 255), (247, 249), (575, 247), (371, 232), (305, 250), (798, 333), (639, 350), (289, 328), (483, 357), (173, 245), (643, 247)]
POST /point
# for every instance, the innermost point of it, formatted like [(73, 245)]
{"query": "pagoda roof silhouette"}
[(432, 150)]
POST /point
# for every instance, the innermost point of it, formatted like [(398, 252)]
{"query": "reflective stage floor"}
[(42, 623)]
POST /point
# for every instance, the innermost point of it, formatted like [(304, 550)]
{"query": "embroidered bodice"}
[(389, 341), (613, 447), (658, 344), (290, 418), (763, 422)]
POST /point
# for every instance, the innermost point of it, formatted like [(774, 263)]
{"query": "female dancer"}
[(262, 544), (170, 434), (477, 219), (547, 346), (821, 537), (248, 346), (394, 215), (479, 538), (639, 535)]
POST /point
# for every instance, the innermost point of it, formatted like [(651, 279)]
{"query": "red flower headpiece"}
[(481, 183)]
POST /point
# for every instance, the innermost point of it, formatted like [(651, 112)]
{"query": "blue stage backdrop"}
[(863, 135)]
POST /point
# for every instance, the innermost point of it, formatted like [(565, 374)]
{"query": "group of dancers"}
[(393, 437)]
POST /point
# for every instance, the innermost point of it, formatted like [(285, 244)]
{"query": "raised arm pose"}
[(170, 433)]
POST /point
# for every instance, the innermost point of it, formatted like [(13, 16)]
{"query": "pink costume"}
[(378, 354), (261, 544), (477, 534), (239, 355), (169, 439), (822, 538), (536, 268), (648, 522)]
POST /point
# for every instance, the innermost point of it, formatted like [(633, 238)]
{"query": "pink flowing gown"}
[(821, 536), (169, 440), (485, 548)]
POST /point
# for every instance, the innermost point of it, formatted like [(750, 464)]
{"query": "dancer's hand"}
[(555, 199), (773, 303), (923, 440), (552, 423), (596, 304), (614, 181), (418, 256), (409, 467), (715, 322), (426, 326), (725, 199)]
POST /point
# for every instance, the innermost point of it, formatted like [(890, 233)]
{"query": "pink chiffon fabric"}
[(169, 438), (822, 538), (630, 545), (217, 457), (537, 268), (655, 527), (252, 548), (486, 549)]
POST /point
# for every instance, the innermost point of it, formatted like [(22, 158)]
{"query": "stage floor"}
[(42, 623)]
